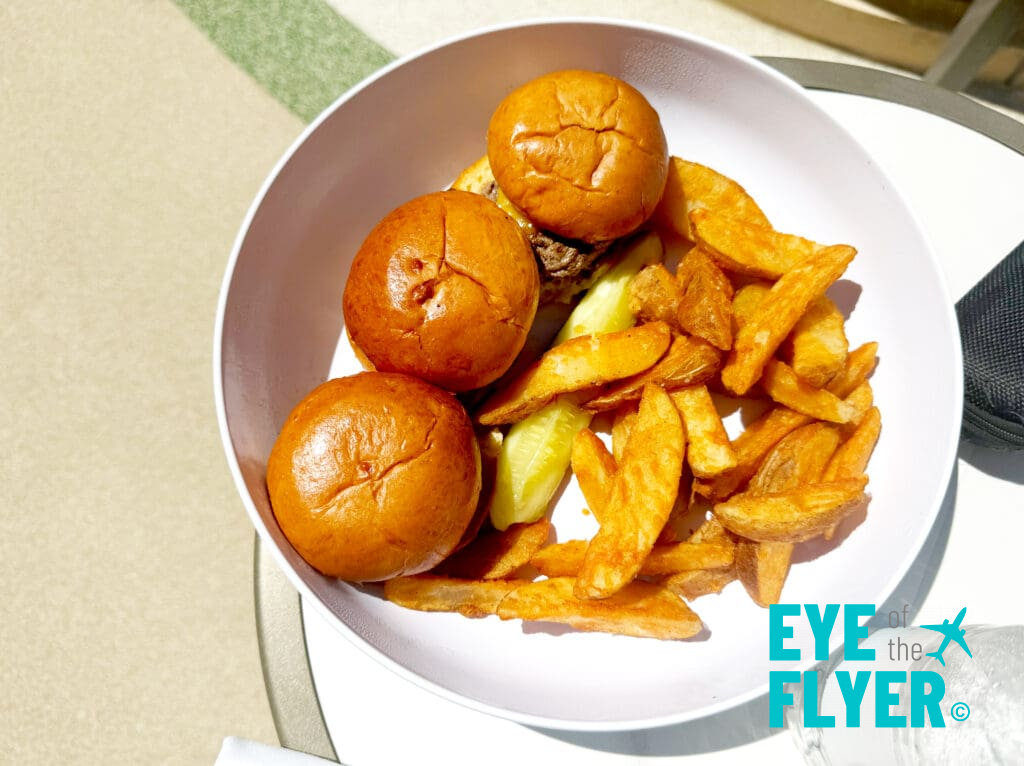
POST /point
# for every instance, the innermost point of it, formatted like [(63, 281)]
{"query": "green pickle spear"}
[(535, 453)]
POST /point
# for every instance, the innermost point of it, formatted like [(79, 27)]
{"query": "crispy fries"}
[(749, 249), (595, 469), (641, 498), (851, 459), (709, 451), (750, 447), (705, 308), (625, 417), (785, 386), (859, 365), (817, 347), (745, 303), (654, 296), (792, 516), (694, 187), (762, 568), (434, 593), (576, 364), (691, 585), (495, 555), (687, 361), (777, 314), (639, 609), (566, 559)]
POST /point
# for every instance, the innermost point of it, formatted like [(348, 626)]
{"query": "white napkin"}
[(244, 752)]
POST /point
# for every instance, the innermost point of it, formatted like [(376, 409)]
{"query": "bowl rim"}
[(564, 724)]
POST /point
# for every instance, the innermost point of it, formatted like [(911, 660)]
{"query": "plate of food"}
[(549, 357)]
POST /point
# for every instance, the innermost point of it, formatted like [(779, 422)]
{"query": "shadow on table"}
[(748, 722), (1006, 465)]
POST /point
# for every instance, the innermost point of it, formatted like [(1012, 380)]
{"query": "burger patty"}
[(566, 266)]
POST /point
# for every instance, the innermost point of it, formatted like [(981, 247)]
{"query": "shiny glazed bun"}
[(374, 476), (444, 288), (582, 154)]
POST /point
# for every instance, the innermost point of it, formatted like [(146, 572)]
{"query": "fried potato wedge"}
[(711, 531), (495, 555), (778, 313), (641, 498), (861, 400), (691, 186), (792, 516), (622, 424), (860, 363), (817, 347), (709, 451), (594, 468), (654, 296), (687, 361), (851, 459), (750, 447), (691, 585), (435, 593), (745, 303), (763, 568), (799, 458), (565, 559), (640, 609), (785, 387), (705, 308), (576, 364), (748, 248)]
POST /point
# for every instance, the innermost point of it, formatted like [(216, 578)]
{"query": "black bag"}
[(991, 317)]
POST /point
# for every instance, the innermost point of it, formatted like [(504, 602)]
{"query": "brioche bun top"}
[(374, 476), (445, 288), (582, 154)]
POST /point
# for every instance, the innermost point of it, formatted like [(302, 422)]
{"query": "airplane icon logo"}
[(950, 633)]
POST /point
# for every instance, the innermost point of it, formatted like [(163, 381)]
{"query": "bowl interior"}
[(409, 131)]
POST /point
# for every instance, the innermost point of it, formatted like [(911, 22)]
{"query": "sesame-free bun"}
[(582, 154), (374, 476), (445, 288)]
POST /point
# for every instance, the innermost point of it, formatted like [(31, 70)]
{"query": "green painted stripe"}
[(301, 51)]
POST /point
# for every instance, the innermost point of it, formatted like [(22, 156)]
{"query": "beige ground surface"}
[(130, 149)]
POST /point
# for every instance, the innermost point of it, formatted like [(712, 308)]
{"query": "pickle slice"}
[(534, 457), (605, 307), (535, 453)]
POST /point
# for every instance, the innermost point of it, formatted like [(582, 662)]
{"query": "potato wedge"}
[(622, 424), (817, 347), (495, 555), (705, 308), (639, 609), (860, 400), (750, 447), (691, 186), (785, 387), (777, 314), (860, 363), (654, 296), (691, 585), (745, 303), (434, 593), (578, 363), (747, 248), (709, 451), (641, 498), (566, 559), (687, 361), (711, 531), (763, 568), (799, 458), (594, 468), (792, 516), (851, 459)]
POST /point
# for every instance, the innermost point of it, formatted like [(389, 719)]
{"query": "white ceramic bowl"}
[(409, 130)]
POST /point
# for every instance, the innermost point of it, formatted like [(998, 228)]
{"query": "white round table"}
[(961, 165)]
